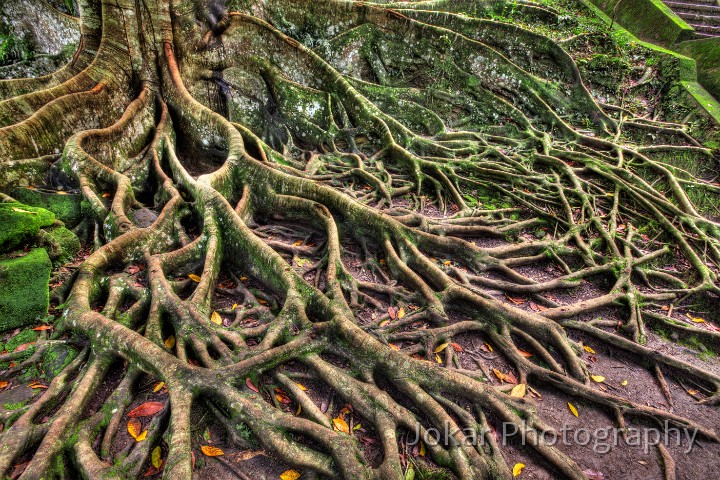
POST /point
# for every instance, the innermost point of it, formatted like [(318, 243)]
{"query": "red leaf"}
[(457, 347), (251, 385), (147, 409), (392, 313)]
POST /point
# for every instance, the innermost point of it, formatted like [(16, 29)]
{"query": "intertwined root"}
[(288, 226)]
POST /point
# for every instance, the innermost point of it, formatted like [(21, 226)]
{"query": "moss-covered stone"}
[(67, 208), (24, 293), (21, 223), (62, 244), (25, 336), (56, 358)]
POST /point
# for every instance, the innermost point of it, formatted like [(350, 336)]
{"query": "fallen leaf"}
[(588, 349), (410, 473), (518, 390), (624, 383), (156, 458), (290, 475), (262, 301), (3, 384), (301, 386), (516, 300), (501, 376), (422, 449), (147, 409), (393, 346), (692, 392), (695, 319), (142, 436), (133, 427), (573, 409), (170, 342), (298, 243), (441, 347), (20, 210), (282, 398), (392, 313), (194, 277), (235, 306), (341, 425), (594, 474), (597, 378), (384, 323), (437, 358), (525, 354), (489, 347), (211, 451), (216, 318), (60, 192), (37, 385), (357, 426), (401, 313), (457, 347), (517, 469), (158, 386), (42, 327), (251, 385), (105, 195)]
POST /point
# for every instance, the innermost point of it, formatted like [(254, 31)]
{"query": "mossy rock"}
[(24, 292), (25, 336), (20, 223), (67, 208), (56, 358), (62, 244)]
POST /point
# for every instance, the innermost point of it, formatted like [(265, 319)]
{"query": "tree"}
[(345, 191)]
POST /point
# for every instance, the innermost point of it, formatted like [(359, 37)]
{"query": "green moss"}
[(63, 245), (67, 208), (20, 223), (14, 406), (24, 292), (56, 359), (25, 336)]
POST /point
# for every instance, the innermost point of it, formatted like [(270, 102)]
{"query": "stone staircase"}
[(702, 15)]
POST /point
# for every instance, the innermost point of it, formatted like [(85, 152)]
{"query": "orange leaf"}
[(301, 386), (391, 312), (341, 425), (457, 347), (147, 409), (516, 300), (194, 277), (211, 451), (290, 475), (501, 376), (170, 342), (42, 327), (525, 354), (3, 384)]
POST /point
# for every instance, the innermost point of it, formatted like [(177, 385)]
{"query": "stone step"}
[(710, 29), (701, 19), (707, 9)]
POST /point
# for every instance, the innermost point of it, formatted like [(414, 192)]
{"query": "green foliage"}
[(12, 48)]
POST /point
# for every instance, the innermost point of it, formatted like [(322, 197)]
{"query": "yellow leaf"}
[(589, 350), (624, 383), (133, 428), (437, 358), (158, 386), (243, 279), (489, 347), (597, 378), (447, 262), (401, 313), (60, 192), (299, 409), (384, 322), (499, 375), (289, 475), (518, 390), (341, 425), (235, 305), (357, 426), (157, 457), (393, 346), (170, 342), (20, 210), (141, 437), (440, 348), (216, 318), (301, 386), (517, 469), (695, 319), (422, 449), (573, 409), (211, 451), (194, 277)]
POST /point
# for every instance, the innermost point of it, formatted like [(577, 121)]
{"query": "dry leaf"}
[(133, 427), (37, 385), (147, 409), (516, 300), (290, 475), (588, 349), (392, 313), (440, 347), (156, 458), (341, 425), (489, 347), (3, 384), (170, 342), (597, 378), (393, 346), (624, 383), (501, 376), (384, 323), (235, 306), (251, 385), (216, 318), (20, 210), (298, 243), (401, 313), (194, 277), (301, 386), (517, 469), (158, 386), (211, 451), (518, 390), (105, 195), (422, 449), (437, 358), (573, 409), (525, 354), (142, 436), (457, 347), (42, 327)]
